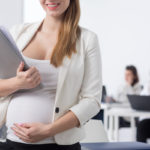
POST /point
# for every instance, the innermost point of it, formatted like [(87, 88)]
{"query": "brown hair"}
[(135, 73), (68, 34)]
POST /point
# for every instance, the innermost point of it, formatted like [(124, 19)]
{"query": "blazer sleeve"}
[(91, 90), (15, 30)]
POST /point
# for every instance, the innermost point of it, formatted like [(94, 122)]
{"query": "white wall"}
[(123, 27), (32, 11), (11, 12)]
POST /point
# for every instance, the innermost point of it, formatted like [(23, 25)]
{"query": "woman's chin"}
[(54, 14)]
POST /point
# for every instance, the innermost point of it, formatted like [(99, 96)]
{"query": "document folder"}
[(10, 56)]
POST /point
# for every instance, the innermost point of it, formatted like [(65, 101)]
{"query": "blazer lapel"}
[(62, 76), (28, 35)]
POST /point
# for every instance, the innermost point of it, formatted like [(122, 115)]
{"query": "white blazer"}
[(79, 82)]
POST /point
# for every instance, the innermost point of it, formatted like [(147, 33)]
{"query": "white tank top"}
[(34, 105)]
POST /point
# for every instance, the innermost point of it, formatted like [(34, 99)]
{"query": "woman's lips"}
[(52, 6)]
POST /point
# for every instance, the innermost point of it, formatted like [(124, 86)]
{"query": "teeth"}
[(52, 5)]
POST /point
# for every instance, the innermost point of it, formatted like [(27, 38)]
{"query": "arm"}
[(8, 86), (68, 121), (91, 91), (23, 80)]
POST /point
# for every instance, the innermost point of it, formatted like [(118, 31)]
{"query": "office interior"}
[(123, 29)]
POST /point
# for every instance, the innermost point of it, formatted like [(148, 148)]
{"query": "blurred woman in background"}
[(131, 86)]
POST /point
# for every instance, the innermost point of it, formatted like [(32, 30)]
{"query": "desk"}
[(106, 107), (115, 146), (112, 112)]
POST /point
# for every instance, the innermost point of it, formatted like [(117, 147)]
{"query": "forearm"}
[(68, 121), (8, 86)]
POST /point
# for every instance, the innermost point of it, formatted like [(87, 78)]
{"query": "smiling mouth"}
[(53, 5)]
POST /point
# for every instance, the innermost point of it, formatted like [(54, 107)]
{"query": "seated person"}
[(131, 86)]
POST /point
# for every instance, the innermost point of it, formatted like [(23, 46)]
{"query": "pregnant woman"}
[(61, 91)]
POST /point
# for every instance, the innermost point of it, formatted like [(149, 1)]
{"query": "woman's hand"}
[(27, 79), (34, 132), (31, 132)]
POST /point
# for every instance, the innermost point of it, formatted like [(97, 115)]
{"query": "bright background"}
[(11, 12)]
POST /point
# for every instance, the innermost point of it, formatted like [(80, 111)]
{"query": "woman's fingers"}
[(25, 139), (20, 130), (28, 79), (30, 71), (21, 66), (35, 75), (20, 135), (37, 80)]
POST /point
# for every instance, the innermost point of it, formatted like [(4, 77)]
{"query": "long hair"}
[(135, 73), (68, 34)]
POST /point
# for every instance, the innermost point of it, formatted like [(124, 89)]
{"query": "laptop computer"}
[(139, 102)]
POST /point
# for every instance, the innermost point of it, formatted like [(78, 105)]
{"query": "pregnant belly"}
[(30, 107)]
